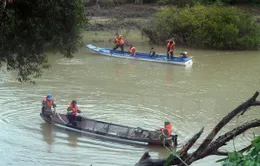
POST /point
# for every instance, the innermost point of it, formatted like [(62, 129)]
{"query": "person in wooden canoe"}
[(72, 113), (170, 48), (119, 42), (47, 105), (167, 130), (132, 50)]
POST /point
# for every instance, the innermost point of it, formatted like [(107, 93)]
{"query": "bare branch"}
[(190, 143), (243, 107), (220, 153), (246, 148), (223, 139)]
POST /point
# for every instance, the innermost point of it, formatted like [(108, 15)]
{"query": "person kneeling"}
[(132, 50), (72, 113), (184, 55)]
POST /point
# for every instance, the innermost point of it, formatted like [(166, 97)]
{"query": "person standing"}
[(170, 48), (119, 43)]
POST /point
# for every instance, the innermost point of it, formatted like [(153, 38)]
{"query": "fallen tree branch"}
[(222, 140), (243, 107), (208, 146), (220, 153), (190, 143)]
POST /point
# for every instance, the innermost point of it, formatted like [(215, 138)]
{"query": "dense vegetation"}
[(213, 26), (251, 158), (206, 2), (28, 26), (173, 2)]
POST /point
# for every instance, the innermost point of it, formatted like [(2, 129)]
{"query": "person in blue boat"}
[(184, 55), (119, 43), (72, 113), (152, 52), (170, 48), (132, 50), (48, 104)]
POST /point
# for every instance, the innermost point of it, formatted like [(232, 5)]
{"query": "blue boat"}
[(160, 58)]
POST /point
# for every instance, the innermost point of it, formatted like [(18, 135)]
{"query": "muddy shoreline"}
[(123, 11), (127, 16), (131, 16)]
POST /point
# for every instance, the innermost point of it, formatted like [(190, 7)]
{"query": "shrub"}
[(212, 26), (250, 158)]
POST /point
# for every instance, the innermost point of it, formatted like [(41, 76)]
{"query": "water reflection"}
[(119, 68), (73, 138), (169, 76), (48, 137)]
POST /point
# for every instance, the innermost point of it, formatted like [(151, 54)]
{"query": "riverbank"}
[(127, 16), (131, 16)]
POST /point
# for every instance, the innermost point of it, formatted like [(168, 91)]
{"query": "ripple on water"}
[(66, 61)]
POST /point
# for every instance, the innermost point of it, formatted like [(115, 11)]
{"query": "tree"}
[(208, 146), (28, 28)]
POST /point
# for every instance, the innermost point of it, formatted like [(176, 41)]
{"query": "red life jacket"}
[(168, 44), (119, 41), (48, 103), (168, 128), (171, 47), (74, 109)]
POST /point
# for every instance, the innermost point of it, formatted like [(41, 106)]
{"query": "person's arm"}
[(69, 109), (53, 104)]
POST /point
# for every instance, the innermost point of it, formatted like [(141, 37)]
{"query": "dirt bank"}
[(123, 11), (131, 16)]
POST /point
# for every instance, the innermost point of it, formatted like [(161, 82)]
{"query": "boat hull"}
[(176, 60), (109, 131)]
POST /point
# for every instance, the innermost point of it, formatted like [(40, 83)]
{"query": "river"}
[(126, 92)]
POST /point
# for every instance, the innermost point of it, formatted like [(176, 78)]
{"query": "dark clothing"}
[(46, 113), (73, 119), (168, 49), (152, 53), (117, 46), (171, 54)]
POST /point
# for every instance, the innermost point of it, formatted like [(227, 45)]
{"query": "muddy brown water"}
[(126, 92)]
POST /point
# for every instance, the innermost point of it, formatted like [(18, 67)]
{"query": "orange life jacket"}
[(132, 50), (168, 44), (48, 103), (74, 109), (119, 41), (168, 128)]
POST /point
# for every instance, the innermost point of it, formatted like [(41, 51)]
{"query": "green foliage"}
[(206, 2), (251, 158), (178, 3), (213, 26), (169, 160), (254, 2), (28, 26)]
